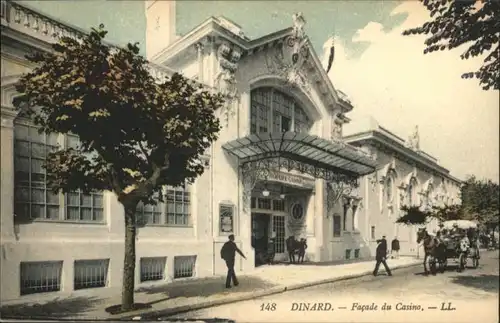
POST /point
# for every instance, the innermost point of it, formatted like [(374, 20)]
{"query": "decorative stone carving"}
[(373, 181), (346, 201), (286, 64), (403, 194), (250, 179), (335, 191), (225, 81), (336, 128), (413, 141)]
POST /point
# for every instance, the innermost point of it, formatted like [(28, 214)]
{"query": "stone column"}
[(312, 213), (7, 175)]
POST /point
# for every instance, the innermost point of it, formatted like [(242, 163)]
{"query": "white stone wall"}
[(67, 242), (377, 208)]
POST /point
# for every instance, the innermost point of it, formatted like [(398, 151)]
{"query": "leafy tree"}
[(448, 213), (455, 23), (413, 215), (136, 134), (480, 201)]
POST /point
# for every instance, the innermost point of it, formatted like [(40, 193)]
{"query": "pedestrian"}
[(395, 248), (302, 250), (290, 248), (270, 250), (381, 256), (228, 253)]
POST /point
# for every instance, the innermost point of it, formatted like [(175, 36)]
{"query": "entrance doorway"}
[(260, 235)]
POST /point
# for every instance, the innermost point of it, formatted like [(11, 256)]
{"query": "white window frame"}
[(162, 208), (62, 141)]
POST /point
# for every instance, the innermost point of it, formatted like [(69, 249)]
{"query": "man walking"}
[(395, 248), (228, 253), (380, 256)]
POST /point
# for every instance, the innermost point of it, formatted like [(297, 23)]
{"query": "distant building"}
[(280, 167), (405, 175)]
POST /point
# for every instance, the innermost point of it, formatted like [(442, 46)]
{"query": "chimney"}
[(160, 25)]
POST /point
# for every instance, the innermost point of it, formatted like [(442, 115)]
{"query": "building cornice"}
[(395, 146), (24, 27)]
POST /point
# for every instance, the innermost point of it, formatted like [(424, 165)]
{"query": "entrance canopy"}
[(306, 153)]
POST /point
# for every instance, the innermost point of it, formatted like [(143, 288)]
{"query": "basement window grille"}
[(40, 277), (92, 273), (184, 266), (153, 268)]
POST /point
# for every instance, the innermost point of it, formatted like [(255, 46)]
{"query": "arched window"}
[(430, 194), (274, 111), (389, 187), (412, 191)]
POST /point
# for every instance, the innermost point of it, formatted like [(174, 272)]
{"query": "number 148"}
[(270, 307)]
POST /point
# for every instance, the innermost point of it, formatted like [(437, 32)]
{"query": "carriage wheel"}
[(461, 262), (442, 265)]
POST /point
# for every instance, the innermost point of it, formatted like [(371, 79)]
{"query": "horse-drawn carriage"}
[(460, 238)]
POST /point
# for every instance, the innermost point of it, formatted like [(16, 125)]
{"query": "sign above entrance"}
[(290, 179)]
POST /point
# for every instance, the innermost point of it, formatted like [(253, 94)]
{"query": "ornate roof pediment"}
[(288, 53)]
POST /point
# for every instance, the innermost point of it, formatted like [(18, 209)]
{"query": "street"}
[(470, 296)]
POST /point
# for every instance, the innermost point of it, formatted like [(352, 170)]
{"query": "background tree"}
[(415, 215), (455, 23), (136, 135), (448, 213), (480, 201)]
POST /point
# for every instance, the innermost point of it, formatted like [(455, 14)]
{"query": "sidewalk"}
[(200, 293)]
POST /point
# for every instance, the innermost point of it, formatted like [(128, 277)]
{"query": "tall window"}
[(412, 191), (174, 210), (150, 214), (274, 111), (178, 205), (429, 194), (33, 199), (388, 188), (336, 225)]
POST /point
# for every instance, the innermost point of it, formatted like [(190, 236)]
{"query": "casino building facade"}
[(280, 167)]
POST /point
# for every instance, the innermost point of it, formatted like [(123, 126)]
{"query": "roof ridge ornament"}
[(413, 141)]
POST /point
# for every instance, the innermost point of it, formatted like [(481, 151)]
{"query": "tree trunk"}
[(129, 260)]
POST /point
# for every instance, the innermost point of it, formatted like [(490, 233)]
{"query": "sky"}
[(384, 73)]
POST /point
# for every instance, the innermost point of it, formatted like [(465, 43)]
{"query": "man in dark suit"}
[(380, 256), (228, 253), (290, 248), (395, 248)]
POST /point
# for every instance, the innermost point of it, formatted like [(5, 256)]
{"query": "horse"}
[(433, 249), (295, 247)]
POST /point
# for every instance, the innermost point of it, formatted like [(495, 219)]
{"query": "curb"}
[(238, 298)]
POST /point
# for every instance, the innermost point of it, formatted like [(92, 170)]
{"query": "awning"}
[(329, 156)]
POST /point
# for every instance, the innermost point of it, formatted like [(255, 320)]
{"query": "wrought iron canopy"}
[(310, 154)]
